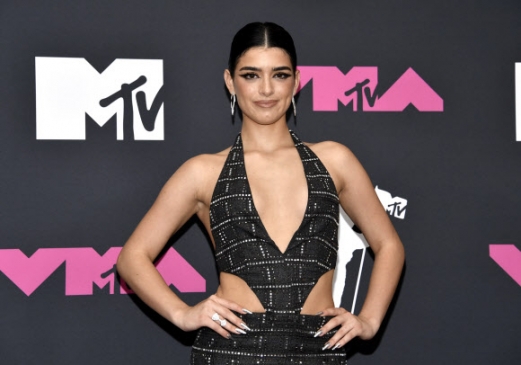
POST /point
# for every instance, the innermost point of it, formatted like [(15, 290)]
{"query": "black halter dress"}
[(281, 280)]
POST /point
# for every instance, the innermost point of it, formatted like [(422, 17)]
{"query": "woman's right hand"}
[(200, 315)]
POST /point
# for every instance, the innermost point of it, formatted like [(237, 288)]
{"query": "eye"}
[(282, 75), (249, 75)]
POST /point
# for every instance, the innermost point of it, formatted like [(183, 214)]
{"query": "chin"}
[(267, 119)]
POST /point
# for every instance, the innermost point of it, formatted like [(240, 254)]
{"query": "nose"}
[(266, 87)]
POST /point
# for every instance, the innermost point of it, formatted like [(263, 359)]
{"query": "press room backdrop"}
[(101, 101)]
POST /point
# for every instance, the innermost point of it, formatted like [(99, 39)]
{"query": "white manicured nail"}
[(245, 327), (318, 333), (246, 311), (238, 330), (336, 346), (326, 346)]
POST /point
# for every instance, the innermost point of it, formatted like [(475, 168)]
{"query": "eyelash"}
[(252, 75)]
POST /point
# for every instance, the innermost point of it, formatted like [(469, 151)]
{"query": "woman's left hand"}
[(350, 326)]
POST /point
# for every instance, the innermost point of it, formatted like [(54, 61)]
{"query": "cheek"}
[(244, 89), (287, 88)]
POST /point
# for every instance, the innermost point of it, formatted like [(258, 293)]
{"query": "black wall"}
[(458, 168)]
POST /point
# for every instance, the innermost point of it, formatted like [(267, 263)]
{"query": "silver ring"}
[(223, 322), (215, 317)]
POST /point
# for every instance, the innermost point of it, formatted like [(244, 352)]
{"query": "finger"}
[(230, 305), (344, 340), (342, 336), (346, 333), (225, 311), (231, 328), (233, 319), (220, 330), (220, 318), (332, 323), (332, 312)]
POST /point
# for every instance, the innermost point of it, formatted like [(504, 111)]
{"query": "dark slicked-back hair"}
[(261, 35)]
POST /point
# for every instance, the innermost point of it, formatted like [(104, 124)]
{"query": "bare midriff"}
[(235, 289)]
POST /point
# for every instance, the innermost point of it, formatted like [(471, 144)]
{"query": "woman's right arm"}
[(181, 197)]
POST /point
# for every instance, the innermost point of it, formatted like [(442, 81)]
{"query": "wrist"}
[(373, 325), (177, 315)]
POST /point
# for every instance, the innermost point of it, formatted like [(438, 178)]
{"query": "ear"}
[(297, 81), (228, 80)]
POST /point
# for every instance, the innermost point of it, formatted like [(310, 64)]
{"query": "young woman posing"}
[(270, 204)]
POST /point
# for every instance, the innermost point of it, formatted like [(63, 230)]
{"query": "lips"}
[(265, 103)]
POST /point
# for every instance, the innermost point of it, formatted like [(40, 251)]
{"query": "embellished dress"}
[(281, 280)]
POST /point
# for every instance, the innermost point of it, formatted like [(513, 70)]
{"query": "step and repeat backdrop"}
[(101, 101)]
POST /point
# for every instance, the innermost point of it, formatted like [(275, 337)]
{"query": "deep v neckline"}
[(298, 144)]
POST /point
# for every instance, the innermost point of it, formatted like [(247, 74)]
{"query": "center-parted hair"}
[(261, 35)]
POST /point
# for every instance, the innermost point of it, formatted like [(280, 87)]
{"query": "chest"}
[(278, 185), (280, 198)]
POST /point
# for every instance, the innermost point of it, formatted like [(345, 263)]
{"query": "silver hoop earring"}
[(233, 99), (294, 106)]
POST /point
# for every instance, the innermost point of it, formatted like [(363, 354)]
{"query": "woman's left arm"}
[(359, 200)]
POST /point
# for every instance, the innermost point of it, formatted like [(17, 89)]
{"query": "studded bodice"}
[(281, 280)]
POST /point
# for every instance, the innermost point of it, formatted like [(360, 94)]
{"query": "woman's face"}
[(264, 82)]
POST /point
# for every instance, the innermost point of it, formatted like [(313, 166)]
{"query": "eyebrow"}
[(280, 68)]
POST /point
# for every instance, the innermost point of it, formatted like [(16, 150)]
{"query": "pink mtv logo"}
[(358, 86), (509, 258), (85, 267)]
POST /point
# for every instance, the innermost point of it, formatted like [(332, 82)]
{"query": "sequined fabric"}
[(281, 280), (274, 339)]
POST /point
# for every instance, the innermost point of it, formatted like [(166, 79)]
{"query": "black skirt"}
[(274, 339)]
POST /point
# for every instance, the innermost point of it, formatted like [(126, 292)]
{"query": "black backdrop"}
[(458, 168)]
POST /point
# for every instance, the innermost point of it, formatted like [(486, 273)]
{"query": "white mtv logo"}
[(395, 206), (349, 241), (69, 88)]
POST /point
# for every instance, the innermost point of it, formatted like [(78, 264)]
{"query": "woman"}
[(270, 204)]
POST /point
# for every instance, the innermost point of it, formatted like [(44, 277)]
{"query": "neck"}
[(265, 138)]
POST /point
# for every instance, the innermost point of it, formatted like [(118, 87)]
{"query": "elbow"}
[(398, 249), (392, 250), (399, 254), (120, 263), (402, 253)]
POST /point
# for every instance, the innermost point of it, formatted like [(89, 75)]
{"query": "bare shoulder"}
[(332, 154), (339, 160), (206, 163), (198, 175)]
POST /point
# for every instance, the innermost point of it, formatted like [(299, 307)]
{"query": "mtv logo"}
[(85, 268), (359, 87), (67, 89), (348, 242), (395, 206), (508, 257)]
